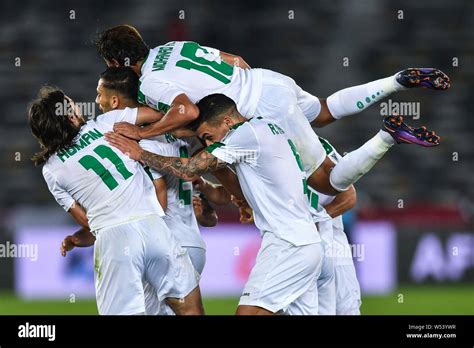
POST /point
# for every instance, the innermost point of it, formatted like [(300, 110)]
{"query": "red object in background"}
[(246, 260), (176, 30), (420, 213)]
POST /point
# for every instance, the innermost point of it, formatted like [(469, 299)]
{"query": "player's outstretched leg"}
[(354, 99), (404, 134), (357, 163), (330, 178), (430, 78)]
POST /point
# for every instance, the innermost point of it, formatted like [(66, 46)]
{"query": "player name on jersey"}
[(84, 140), (162, 56)]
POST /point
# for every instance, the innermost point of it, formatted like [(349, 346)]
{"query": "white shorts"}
[(285, 102), (141, 250), (283, 277), (152, 305), (326, 282), (348, 299)]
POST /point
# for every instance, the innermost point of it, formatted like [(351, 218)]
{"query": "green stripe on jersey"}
[(237, 125), (163, 107), (148, 172), (327, 146), (214, 146)]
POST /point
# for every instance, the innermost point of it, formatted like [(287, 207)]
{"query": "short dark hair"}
[(212, 108), (53, 130), (123, 80), (120, 43)]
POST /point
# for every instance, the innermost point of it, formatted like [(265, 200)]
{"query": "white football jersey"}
[(334, 156), (319, 213), (186, 67), (271, 175), (112, 188), (180, 217)]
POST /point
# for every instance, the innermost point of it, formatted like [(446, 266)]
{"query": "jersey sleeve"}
[(158, 94), (64, 199), (124, 115), (239, 146), (331, 152)]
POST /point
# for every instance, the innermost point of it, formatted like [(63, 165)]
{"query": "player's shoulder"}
[(108, 118), (243, 134), (238, 130), (50, 166)]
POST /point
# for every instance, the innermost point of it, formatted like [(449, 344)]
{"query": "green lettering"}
[(61, 155), (95, 134), (87, 138), (81, 145), (274, 131), (71, 151)]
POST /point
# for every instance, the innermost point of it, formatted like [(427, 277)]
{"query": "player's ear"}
[(114, 102), (229, 122)]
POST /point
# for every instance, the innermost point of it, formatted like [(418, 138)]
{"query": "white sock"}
[(358, 162), (352, 100)]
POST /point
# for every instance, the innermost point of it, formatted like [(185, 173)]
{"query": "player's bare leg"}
[(355, 99), (252, 310), (332, 178), (189, 305)]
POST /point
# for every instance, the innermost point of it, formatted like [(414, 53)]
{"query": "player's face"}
[(212, 133), (104, 98), (74, 113)]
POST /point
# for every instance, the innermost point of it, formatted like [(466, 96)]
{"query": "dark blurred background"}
[(422, 193)]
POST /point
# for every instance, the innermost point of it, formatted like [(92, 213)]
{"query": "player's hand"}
[(129, 130), (68, 244), (197, 205), (199, 184), (127, 146), (246, 213)]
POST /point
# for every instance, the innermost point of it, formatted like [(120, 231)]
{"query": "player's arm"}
[(79, 215), (181, 112), (83, 237), (216, 194), (230, 181), (342, 202), (185, 168), (145, 114), (234, 60), (205, 213)]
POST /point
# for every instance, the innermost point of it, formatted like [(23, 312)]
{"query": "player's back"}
[(186, 67), (112, 188), (272, 179)]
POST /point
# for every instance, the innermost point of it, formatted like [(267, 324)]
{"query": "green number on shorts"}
[(300, 166), (90, 162), (220, 71), (184, 195)]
